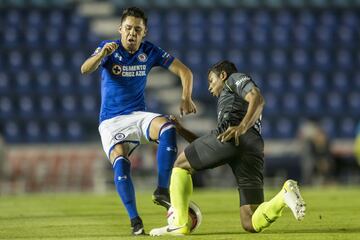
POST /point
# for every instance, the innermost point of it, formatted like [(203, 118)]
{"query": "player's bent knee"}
[(182, 162)]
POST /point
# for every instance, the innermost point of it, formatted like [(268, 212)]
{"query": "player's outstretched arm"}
[(184, 73), (255, 107), (185, 133), (93, 62)]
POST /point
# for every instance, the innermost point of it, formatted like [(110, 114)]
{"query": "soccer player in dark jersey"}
[(124, 121), (237, 142)]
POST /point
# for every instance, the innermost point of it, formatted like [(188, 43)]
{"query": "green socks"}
[(181, 188), (268, 212)]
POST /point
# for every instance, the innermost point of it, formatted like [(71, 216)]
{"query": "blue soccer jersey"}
[(124, 75)]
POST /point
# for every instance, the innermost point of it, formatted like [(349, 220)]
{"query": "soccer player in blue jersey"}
[(124, 122)]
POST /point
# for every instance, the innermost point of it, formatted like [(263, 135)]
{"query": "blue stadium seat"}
[(53, 37), (194, 59), (291, 104), (335, 103), (347, 127), (257, 60), (37, 61), (313, 104), (65, 82), (69, 106), (275, 82), (346, 36), (238, 58), (5, 83), (57, 61), (284, 128), (344, 59), (33, 131), (213, 56), (47, 107), (12, 131), (16, 60), (33, 37), (306, 18), (303, 36), (74, 131), (325, 36), (280, 36), (266, 130), (56, 19), (328, 18), (322, 59), (27, 109), (217, 36), (329, 126), (44, 82), (195, 18), (259, 36), (318, 81), (7, 108), (284, 18), (238, 17), (23, 82), (341, 81), (279, 59), (54, 131), (301, 59), (12, 37), (217, 18), (272, 104), (297, 83), (239, 37), (198, 39), (262, 18), (34, 19), (353, 103), (89, 105)]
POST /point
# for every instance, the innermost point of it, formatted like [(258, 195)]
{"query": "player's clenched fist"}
[(108, 49)]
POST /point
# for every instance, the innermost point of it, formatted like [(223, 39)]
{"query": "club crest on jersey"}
[(116, 69), (142, 57), (119, 136)]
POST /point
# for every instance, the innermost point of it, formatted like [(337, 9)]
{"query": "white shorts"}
[(130, 129)]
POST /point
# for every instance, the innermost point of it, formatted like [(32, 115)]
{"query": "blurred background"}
[(303, 55)]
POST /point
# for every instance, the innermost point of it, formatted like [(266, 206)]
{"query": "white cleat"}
[(293, 199), (170, 231)]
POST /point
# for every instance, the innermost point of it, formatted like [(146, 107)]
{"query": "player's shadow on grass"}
[(305, 231)]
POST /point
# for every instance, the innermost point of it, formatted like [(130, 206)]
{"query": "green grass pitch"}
[(332, 213)]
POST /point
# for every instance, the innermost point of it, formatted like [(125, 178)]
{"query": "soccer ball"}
[(195, 216)]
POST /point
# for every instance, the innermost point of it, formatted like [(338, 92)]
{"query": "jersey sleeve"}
[(163, 58), (98, 49), (241, 84)]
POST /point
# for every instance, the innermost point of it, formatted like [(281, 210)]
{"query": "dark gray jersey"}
[(232, 105)]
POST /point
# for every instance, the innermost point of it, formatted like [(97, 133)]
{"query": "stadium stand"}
[(304, 59)]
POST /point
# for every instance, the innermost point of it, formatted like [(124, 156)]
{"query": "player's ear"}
[(223, 75), (119, 29)]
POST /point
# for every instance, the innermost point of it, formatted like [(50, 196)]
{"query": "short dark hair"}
[(225, 66), (134, 12)]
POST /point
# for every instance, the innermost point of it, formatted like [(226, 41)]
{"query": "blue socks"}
[(166, 154), (124, 185)]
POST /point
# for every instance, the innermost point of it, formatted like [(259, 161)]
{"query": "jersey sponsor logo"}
[(241, 80), (134, 71), (116, 69), (142, 57), (119, 136)]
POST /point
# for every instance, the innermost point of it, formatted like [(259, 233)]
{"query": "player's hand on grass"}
[(108, 49), (232, 132), (187, 106)]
